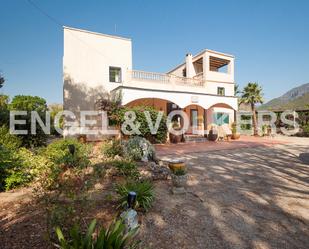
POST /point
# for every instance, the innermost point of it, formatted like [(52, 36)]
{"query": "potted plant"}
[(235, 135), (213, 134), (173, 137), (176, 164)]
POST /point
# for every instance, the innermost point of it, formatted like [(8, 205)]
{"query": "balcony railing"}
[(149, 76), (136, 75)]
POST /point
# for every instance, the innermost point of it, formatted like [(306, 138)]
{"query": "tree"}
[(236, 90), (252, 95), (30, 103), (2, 80), (4, 111), (54, 109)]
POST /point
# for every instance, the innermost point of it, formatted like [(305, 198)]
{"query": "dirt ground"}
[(255, 197)]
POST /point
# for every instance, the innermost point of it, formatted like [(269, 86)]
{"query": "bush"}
[(58, 152), (306, 129), (19, 167), (8, 140), (160, 136), (30, 103), (6, 162), (112, 148), (144, 193), (126, 168), (60, 158), (114, 237), (133, 149)]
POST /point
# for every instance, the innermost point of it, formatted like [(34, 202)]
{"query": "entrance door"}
[(194, 120)]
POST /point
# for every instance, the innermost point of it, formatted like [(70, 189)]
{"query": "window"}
[(184, 73), (115, 74), (221, 118), (221, 91), (194, 118)]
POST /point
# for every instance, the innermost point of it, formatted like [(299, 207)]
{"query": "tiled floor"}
[(244, 142)]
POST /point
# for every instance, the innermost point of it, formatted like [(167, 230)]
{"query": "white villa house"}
[(202, 86)]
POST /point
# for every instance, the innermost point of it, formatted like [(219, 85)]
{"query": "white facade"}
[(90, 58)]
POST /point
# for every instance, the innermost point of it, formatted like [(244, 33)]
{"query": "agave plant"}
[(114, 237), (144, 193)]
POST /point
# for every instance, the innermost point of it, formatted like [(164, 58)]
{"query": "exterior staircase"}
[(195, 138)]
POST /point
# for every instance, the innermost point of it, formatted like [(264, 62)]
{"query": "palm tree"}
[(252, 94), (236, 90)]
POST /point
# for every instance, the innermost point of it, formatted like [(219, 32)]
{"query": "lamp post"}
[(71, 149), (131, 199)]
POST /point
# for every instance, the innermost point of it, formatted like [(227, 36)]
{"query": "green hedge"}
[(159, 137)]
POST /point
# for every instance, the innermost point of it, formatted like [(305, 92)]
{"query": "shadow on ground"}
[(245, 198)]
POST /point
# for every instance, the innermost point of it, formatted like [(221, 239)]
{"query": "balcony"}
[(167, 79)]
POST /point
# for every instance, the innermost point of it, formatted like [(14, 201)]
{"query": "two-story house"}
[(202, 86)]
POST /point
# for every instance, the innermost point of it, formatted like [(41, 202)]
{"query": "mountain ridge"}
[(296, 99)]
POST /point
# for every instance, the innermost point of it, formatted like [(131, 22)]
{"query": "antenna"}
[(115, 28)]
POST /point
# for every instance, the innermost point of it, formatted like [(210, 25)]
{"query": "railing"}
[(199, 76), (141, 75), (198, 80), (187, 81)]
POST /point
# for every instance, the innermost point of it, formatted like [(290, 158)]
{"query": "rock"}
[(154, 171), (178, 191), (117, 157), (153, 165)]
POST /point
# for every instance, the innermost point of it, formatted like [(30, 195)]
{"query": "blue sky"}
[(270, 39)]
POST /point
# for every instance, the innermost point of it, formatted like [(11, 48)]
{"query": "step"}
[(195, 138)]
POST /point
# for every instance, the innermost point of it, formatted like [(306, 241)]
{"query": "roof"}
[(96, 33), (199, 54)]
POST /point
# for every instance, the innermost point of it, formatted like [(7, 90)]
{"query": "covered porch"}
[(200, 119)]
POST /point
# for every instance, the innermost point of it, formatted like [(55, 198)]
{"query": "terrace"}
[(170, 79)]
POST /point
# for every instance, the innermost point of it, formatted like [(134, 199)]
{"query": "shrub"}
[(306, 129), (61, 159), (144, 193), (8, 140), (6, 162), (160, 136), (19, 167), (234, 128), (126, 168), (58, 152), (180, 172), (135, 148), (114, 237), (112, 148), (30, 103)]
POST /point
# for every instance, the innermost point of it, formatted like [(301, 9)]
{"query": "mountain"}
[(295, 99)]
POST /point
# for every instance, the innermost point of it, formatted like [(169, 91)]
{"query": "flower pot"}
[(174, 139), (235, 136), (212, 136), (179, 181), (176, 165)]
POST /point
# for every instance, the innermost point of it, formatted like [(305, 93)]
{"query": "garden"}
[(73, 181)]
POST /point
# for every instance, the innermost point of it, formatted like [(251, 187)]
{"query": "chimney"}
[(189, 66)]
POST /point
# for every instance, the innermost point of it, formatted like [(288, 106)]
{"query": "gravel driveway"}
[(243, 198)]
